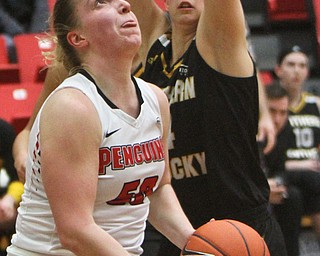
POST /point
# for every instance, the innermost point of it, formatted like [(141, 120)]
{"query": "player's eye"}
[(97, 2)]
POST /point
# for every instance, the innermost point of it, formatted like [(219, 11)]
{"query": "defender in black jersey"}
[(211, 84), (213, 119)]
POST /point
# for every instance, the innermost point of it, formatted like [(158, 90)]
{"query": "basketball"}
[(226, 237)]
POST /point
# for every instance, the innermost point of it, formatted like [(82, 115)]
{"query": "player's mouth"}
[(185, 5), (129, 24)]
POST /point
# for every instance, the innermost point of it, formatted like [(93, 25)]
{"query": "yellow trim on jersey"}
[(301, 104), (139, 71), (165, 66), (15, 190)]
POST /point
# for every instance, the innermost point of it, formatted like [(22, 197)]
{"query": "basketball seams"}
[(264, 248), (213, 237), (187, 252), (210, 243), (243, 237)]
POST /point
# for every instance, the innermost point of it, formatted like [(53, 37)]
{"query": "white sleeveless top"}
[(131, 167)]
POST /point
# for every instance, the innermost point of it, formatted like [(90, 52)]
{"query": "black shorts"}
[(308, 182), (265, 225)]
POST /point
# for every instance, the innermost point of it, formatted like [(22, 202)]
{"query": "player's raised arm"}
[(165, 208), (221, 37), (152, 21)]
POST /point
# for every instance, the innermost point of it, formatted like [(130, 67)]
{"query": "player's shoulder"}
[(144, 85), (311, 98), (159, 94)]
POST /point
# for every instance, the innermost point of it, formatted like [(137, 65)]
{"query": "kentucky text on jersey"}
[(185, 166), (124, 156)]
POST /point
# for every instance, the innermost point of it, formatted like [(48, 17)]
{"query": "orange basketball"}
[(226, 237)]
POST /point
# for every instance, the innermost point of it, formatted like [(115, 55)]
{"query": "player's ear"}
[(166, 5), (277, 70), (76, 40)]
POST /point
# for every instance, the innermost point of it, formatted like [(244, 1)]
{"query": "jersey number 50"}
[(129, 195)]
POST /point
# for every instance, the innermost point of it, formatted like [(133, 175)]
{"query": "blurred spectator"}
[(22, 16), (286, 199), (10, 188), (302, 156)]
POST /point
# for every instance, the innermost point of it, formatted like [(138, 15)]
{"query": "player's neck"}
[(180, 45), (295, 99)]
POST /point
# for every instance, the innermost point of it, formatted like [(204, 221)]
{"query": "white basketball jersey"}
[(131, 166)]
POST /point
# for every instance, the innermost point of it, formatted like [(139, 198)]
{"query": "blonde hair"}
[(62, 21)]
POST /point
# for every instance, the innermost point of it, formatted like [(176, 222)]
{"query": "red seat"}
[(4, 58), (51, 5), (287, 10), (266, 77), (29, 48), (316, 7), (9, 72), (17, 103), (161, 4)]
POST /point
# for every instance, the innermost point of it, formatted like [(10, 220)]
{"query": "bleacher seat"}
[(17, 103), (266, 47), (18, 100), (9, 72), (31, 62), (161, 4), (266, 77), (316, 8), (287, 10), (51, 5), (4, 58)]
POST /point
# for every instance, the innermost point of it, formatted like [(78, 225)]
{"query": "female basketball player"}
[(98, 147), (55, 76), (209, 77)]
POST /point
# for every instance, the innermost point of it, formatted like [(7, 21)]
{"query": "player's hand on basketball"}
[(225, 237)]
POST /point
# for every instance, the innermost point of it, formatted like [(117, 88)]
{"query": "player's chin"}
[(133, 37), (133, 41), (131, 31)]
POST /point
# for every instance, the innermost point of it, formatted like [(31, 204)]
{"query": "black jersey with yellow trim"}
[(305, 120), (138, 71), (214, 157)]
